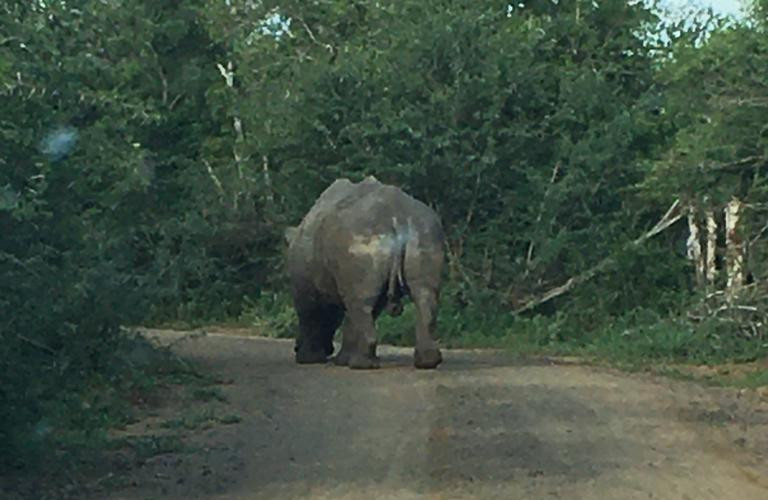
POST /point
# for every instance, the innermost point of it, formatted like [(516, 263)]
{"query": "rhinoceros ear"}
[(290, 234)]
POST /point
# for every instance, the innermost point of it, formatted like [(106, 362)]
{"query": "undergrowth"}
[(47, 452), (634, 338)]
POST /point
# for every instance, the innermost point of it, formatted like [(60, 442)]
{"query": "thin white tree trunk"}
[(694, 245), (267, 178), (711, 269), (228, 74), (734, 248)]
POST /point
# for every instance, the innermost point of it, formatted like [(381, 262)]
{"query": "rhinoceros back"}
[(369, 221), (325, 203)]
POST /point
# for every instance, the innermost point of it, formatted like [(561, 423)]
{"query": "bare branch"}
[(670, 217), (15, 260), (728, 307), (227, 73), (758, 102), (160, 72), (215, 179), (175, 101), (330, 48), (759, 235), (748, 161), (552, 179), (35, 343)]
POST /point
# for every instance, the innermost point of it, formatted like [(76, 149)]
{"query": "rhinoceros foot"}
[(305, 357), (342, 358), (362, 362), (427, 358)]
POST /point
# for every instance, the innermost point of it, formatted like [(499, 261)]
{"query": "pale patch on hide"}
[(412, 234), (371, 245), (379, 244)]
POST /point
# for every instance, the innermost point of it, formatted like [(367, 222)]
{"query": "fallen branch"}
[(749, 160), (672, 215)]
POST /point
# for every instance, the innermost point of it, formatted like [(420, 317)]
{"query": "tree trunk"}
[(694, 245), (228, 74), (734, 248), (711, 264)]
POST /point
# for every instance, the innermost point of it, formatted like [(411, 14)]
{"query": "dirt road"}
[(482, 426)]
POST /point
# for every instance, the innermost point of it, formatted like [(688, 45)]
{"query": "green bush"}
[(271, 315)]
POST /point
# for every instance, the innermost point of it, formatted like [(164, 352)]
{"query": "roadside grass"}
[(204, 418), (753, 379), (144, 447), (206, 394), (753, 375)]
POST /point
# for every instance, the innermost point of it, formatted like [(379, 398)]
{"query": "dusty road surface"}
[(482, 426)]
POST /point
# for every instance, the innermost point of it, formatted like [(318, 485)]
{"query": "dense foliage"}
[(151, 154)]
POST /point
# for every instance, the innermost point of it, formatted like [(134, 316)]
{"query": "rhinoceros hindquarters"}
[(361, 248)]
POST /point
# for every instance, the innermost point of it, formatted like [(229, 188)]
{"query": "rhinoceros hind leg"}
[(342, 358), (362, 341), (427, 354), (348, 345)]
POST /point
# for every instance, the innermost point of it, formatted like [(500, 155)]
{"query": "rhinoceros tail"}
[(395, 282)]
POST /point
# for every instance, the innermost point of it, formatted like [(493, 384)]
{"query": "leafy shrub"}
[(271, 315)]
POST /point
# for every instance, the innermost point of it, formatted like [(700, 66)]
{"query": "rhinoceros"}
[(359, 251)]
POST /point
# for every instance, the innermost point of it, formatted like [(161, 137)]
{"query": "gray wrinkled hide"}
[(359, 250)]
